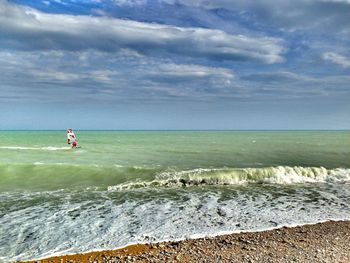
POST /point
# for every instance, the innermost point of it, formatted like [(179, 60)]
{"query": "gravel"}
[(323, 242)]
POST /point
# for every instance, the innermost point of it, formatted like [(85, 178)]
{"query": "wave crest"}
[(47, 148), (229, 176), (44, 176)]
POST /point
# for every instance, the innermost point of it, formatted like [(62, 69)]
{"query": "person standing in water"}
[(72, 139)]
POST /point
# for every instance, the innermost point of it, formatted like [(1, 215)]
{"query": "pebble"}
[(327, 242)]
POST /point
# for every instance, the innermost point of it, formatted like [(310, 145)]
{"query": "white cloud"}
[(337, 59), (194, 71), (55, 76), (30, 29), (190, 79), (94, 74), (130, 2), (286, 84), (98, 77), (287, 15), (276, 77)]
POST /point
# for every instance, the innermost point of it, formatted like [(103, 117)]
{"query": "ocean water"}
[(124, 187)]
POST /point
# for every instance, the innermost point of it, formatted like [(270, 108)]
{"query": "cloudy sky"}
[(175, 64)]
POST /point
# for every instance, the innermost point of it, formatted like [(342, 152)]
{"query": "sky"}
[(175, 64)]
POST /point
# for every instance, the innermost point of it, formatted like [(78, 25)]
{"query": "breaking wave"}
[(41, 176), (227, 176)]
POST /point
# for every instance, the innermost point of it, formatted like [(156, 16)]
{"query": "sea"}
[(125, 187)]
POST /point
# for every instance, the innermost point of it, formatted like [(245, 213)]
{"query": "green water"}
[(122, 187), (183, 149), (39, 159)]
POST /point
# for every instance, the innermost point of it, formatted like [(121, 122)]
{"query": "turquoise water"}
[(122, 187)]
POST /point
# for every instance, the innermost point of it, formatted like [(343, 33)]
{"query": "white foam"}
[(194, 236), (46, 148), (283, 175), (297, 175), (107, 220)]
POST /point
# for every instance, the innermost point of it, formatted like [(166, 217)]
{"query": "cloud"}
[(81, 76), (337, 59), (62, 77), (275, 77), (129, 2), (285, 84), (95, 77), (185, 72), (287, 15), (188, 81), (24, 28)]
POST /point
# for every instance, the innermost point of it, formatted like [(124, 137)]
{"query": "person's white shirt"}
[(72, 139)]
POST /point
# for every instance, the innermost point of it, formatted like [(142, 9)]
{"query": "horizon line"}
[(177, 129)]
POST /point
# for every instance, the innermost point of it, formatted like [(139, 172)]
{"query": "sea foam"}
[(47, 148), (234, 176)]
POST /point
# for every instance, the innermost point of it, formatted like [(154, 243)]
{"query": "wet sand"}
[(323, 242)]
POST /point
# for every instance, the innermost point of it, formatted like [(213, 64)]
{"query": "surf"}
[(283, 175), (46, 176), (46, 148)]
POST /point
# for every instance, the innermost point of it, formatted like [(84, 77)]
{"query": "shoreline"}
[(322, 242)]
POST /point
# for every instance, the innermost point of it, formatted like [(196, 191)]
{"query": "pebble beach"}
[(323, 242)]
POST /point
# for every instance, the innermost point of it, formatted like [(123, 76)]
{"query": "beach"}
[(322, 242), (146, 187), (175, 131)]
